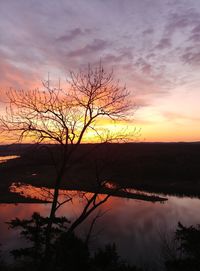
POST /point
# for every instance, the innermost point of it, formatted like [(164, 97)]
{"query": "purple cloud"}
[(195, 38), (148, 31), (71, 35), (196, 29), (182, 20), (191, 58), (96, 46), (163, 44)]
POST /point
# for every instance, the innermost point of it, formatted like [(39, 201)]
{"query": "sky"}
[(153, 46)]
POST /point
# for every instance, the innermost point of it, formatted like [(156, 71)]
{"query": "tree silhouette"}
[(68, 251), (186, 254), (65, 116)]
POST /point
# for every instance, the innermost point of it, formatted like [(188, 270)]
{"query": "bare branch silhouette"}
[(65, 116)]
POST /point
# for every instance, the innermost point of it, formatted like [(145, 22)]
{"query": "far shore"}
[(166, 168)]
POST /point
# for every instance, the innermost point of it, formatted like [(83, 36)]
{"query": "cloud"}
[(163, 44), (119, 57), (94, 47), (71, 35), (178, 117), (195, 34), (195, 38), (148, 31), (191, 57), (144, 66), (196, 29), (182, 19), (182, 25), (141, 102), (11, 76)]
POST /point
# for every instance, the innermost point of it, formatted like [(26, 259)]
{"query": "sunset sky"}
[(152, 45)]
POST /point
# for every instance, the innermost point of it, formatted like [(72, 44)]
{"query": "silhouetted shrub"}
[(71, 253), (68, 251), (187, 256)]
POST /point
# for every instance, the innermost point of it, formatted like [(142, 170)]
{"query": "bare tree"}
[(64, 117)]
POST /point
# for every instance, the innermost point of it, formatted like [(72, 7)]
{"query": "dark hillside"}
[(160, 167)]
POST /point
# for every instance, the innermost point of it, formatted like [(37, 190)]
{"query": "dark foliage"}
[(187, 256), (107, 259), (34, 231), (71, 253), (68, 252)]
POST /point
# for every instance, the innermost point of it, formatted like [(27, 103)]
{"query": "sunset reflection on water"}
[(4, 159), (135, 226)]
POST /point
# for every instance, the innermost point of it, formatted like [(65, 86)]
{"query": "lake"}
[(136, 227), (4, 159)]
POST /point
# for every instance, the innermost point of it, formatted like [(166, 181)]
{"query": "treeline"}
[(159, 167)]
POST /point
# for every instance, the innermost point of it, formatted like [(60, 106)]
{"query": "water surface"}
[(4, 159), (137, 227)]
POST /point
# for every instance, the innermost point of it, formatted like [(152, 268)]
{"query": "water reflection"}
[(135, 226), (4, 159), (40, 193)]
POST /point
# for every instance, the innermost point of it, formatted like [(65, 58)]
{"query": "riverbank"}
[(168, 168)]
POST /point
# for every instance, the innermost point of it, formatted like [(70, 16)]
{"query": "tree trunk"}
[(51, 219)]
